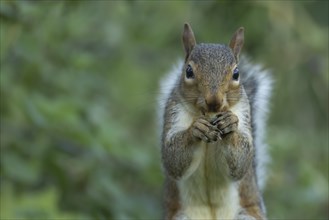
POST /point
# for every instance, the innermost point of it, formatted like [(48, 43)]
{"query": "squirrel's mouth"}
[(209, 114), (211, 111), (205, 112)]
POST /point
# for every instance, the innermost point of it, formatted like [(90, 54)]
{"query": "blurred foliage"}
[(79, 81)]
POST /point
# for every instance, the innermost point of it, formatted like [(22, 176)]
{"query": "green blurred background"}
[(79, 81)]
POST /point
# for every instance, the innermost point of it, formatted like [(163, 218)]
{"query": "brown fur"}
[(211, 90), (171, 199), (250, 197)]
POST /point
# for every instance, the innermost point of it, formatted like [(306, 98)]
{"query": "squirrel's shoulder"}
[(258, 84)]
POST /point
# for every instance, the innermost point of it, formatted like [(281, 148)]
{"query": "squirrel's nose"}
[(213, 103)]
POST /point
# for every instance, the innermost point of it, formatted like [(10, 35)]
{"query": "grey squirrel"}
[(212, 139)]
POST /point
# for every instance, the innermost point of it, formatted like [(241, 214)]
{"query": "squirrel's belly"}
[(194, 207), (205, 212), (207, 193)]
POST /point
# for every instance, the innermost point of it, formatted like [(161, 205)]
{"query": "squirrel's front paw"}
[(204, 130), (226, 122)]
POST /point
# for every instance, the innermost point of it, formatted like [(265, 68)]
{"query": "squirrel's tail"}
[(167, 84), (257, 83)]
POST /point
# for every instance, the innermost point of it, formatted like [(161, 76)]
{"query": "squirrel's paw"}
[(226, 122), (204, 130)]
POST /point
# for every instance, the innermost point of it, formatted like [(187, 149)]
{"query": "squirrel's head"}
[(210, 76)]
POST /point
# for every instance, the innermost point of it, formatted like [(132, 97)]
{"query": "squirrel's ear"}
[(236, 42), (188, 40)]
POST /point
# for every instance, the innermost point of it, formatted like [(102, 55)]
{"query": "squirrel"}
[(212, 140)]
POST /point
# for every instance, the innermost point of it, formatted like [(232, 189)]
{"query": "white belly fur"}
[(207, 193)]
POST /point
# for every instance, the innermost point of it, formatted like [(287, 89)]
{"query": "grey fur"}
[(235, 153)]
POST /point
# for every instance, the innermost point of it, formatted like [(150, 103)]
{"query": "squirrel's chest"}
[(207, 193)]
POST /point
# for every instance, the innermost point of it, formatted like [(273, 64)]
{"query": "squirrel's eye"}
[(189, 72), (235, 74)]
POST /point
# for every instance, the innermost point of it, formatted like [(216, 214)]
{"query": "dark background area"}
[(79, 81)]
